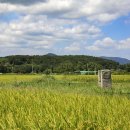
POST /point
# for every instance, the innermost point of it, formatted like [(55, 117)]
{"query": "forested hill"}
[(53, 63)]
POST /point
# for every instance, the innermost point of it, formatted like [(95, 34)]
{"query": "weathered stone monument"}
[(104, 78), (99, 77)]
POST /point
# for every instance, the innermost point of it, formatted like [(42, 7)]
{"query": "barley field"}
[(63, 102)]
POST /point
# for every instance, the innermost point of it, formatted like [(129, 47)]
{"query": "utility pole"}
[(87, 68), (32, 67), (13, 66), (95, 70), (52, 69)]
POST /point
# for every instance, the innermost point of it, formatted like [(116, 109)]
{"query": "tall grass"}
[(38, 102), (37, 109)]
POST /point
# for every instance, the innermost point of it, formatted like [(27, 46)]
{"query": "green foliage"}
[(53, 64)]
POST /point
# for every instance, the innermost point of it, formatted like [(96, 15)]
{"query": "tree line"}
[(57, 64)]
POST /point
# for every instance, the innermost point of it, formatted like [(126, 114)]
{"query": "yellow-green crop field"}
[(63, 102)]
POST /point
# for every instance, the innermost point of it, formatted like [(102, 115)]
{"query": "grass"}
[(38, 102)]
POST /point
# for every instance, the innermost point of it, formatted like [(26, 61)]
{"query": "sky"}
[(65, 27)]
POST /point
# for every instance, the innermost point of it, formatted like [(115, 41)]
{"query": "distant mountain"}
[(51, 54), (117, 59)]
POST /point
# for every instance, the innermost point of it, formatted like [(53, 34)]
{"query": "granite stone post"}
[(99, 77), (104, 78)]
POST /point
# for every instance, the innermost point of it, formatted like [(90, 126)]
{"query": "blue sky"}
[(88, 27), (118, 29)]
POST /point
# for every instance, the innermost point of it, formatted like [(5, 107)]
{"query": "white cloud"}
[(109, 44), (42, 25), (41, 32), (92, 48), (124, 44), (106, 42), (22, 2), (100, 10), (73, 47)]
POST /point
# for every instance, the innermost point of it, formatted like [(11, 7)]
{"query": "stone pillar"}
[(99, 77), (104, 78)]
